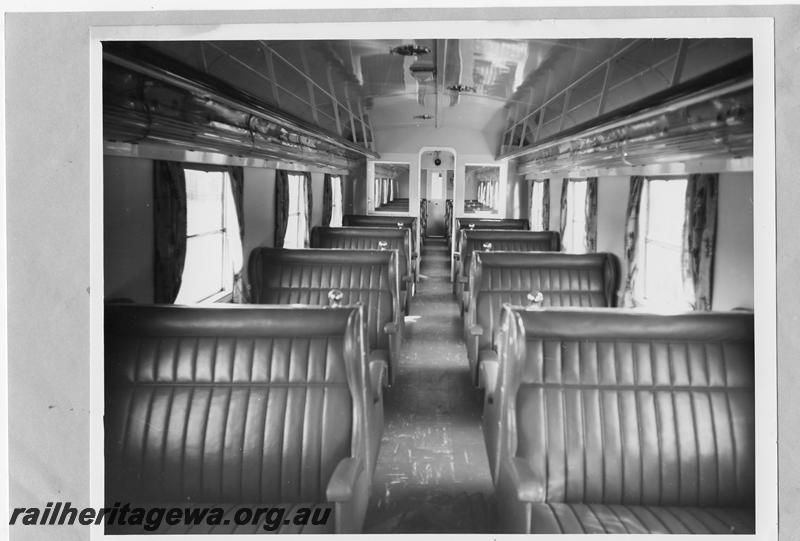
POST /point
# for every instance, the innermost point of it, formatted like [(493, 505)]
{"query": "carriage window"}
[(574, 240), (337, 206), (661, 223), (537, 206), (211, 225), (297, 225)]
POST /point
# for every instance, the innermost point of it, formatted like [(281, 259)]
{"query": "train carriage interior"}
[(485, 285)]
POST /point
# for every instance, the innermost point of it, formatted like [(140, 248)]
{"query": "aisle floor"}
[(432, 473)]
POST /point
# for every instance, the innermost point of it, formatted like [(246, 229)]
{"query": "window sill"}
[(219, 297)]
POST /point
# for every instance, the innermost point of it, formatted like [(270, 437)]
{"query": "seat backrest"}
[(505, 241), (615, 406), (283, 276), (230, 403), (370, 220), (497, 278), (366, 238), (464, 223)]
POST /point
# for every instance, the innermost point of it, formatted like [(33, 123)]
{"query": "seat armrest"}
[(527, 485), (341, 485), (395, 331), (394, 327), (487, 374), (378, 371)]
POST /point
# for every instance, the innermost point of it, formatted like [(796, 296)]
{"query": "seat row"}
[(209, 406), (598, 419)]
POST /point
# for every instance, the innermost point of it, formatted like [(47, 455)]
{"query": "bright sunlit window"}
[(574, 240), (297, 225), (213, 246), (661, 226), (537, 206), (337, 202)]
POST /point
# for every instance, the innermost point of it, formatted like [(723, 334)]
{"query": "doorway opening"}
[(436, 188)]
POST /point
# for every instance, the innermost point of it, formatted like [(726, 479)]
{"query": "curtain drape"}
[(169, 228), (591, 214), (699, 238), (240, 289), (309, 206), (633, 252), (327, 199), (546, 205), (562, 225), (281, 206)]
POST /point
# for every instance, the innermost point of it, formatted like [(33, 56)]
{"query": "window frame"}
[(646, 239), (537, 224), (337, 200), (225, 293), (570, 221), (302, 205)]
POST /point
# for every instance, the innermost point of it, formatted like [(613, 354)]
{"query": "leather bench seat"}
[(372, 238), (234, 404), (373, 220), (618, 421), (501, 241), (370, 277), (497, 278), (463, 223)]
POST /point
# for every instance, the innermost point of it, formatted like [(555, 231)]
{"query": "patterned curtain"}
[(327, 199), (281, 206), (633, 242), (309, 206), (236, 175), (546, 205), (169, 228), (562, 227), (699, 236), (591, 214)]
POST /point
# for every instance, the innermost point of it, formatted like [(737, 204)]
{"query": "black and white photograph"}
[(429, 271)]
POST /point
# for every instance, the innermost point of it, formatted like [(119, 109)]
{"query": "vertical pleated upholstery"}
[(367, 238), (215, 405), (364, 220), (638, 409), (504, 241), (500, 278), (306, 276), (464, 223)]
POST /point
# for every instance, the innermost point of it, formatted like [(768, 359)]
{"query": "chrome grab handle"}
[(471, 226), (487, 246), (535, 300), (335, 298), (399, 225), (383, 245)]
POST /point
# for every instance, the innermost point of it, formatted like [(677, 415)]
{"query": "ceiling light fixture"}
[(409, 50)]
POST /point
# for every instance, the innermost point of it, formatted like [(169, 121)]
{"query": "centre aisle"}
[(432, 473)]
